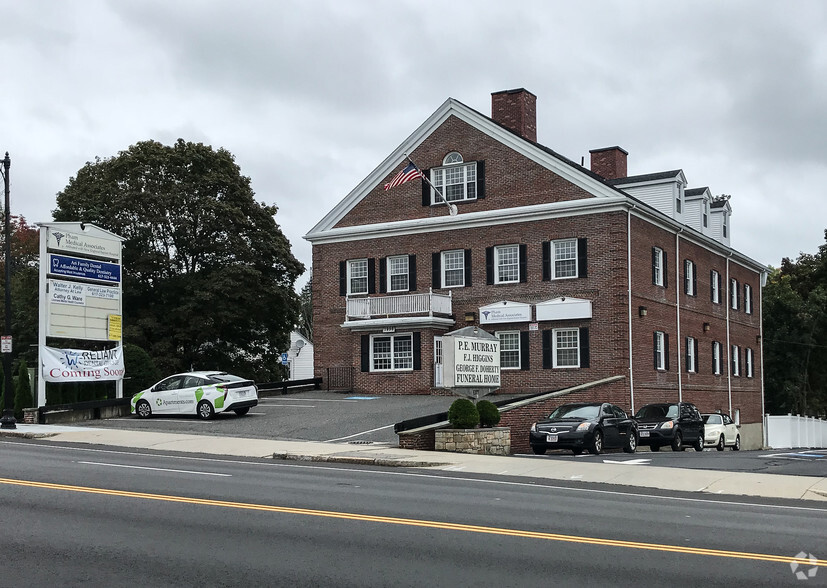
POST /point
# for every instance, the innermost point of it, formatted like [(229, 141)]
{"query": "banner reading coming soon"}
[(80, 365)]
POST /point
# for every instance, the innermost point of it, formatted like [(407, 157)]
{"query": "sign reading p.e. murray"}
[(476, 362)]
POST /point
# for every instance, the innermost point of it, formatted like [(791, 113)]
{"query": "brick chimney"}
[(516, 110), (609, 162)]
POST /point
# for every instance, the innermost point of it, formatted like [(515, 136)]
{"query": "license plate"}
[(242, 393), (551, 438), (644, 433)]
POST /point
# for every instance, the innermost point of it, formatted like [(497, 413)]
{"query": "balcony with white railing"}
[(412, 309)]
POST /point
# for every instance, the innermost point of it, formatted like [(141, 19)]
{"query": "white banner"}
[(79, 365)]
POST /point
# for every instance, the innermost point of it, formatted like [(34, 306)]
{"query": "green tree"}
[(208, 275), (22, 391), (25, 251), (141, 371), (306, 309)]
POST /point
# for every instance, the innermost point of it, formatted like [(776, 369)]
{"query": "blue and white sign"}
[(284, 359), (84, 268)]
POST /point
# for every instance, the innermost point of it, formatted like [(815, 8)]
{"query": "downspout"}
[(762, 281), (678, 307), (728, 344), (629, 296)]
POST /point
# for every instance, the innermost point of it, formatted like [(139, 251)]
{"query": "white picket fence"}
[(789, 431)]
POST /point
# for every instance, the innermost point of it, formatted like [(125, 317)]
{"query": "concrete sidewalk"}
[(641, 476)]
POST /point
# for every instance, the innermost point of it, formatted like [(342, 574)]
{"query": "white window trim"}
[(748, 362), (554, 363), (733, 293), (747, 298), (433, 172), (705, 213), (659, 266), (392, 337), (660, 349), (716, 356), (350, 278), (689, 277), (552, 255), (497, 250), (716, 291), (733, 361), (690, 355), (443, 269), (519, 349), (390, 275)]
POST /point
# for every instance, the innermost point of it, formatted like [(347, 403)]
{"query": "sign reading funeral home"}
[(471, 362)]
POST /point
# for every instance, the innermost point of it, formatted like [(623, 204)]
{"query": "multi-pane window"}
[(724, 227), (735, 357), (716, 358), (715, 286), (453, 268), (748, 362), (706, 213), (678, 204), (733, 294), (509, 349), (747, 299), (392, 353), (690, 355), (507, 263), (689, 277), (660, 350), (456, 180), (398, 273), (357, 276), (564, 258), (657, 266), (566, 351)]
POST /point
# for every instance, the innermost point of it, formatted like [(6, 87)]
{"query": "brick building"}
[(583, 274)]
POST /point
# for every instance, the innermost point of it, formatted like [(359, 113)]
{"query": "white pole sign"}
[(476, 363)]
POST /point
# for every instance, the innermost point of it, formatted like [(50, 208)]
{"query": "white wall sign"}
[(505, 312), (476, 362), (79, 365), (61, 239), (81, 311), (564, 308)]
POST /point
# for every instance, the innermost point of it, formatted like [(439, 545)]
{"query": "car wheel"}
[(205, 410), (143, 409), (737, 446), (654, 447), (631, 443), (720, 445), (242, 411), (597, 443), (677, 442), (698, 445), (538, 450)]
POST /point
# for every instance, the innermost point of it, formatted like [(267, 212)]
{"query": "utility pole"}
[(8, 420)]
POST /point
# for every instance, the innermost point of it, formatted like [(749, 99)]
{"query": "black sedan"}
[(594, 426), (675, 424)]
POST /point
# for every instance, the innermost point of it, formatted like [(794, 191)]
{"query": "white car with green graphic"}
[(204, 393)]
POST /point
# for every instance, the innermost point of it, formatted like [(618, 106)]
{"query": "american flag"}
[(410, 172)]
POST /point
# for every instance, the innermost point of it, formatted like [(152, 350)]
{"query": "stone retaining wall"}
[(493, 441)]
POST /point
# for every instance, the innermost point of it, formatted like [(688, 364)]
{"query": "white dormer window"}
[(456, 180), (706, 212), (724, 227)]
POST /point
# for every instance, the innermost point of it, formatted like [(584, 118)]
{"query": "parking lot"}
[(317, 415)]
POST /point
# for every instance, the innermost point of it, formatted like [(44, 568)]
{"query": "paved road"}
[(90, 517)]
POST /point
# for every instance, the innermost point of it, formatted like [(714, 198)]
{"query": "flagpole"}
[(452, 208)]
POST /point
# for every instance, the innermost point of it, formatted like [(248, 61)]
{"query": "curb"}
[(377, 461)]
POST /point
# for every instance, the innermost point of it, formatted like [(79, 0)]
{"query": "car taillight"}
[(222, 389)]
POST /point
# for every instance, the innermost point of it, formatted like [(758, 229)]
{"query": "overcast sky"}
[(311, 96)]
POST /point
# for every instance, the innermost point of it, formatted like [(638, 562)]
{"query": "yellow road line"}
[(422, 523)]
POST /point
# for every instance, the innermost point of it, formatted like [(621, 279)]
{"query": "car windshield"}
[(712, 419), (658, 411), (575, 412)]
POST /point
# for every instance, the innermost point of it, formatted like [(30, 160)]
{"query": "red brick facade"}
[(612, 236)]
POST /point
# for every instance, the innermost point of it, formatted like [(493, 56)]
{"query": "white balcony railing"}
[(396, 305)]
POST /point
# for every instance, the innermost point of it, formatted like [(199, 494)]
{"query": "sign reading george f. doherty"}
[(79, 365), (471, 362), (90, 269)]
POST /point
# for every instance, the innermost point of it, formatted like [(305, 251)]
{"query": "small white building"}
[(300, 357)]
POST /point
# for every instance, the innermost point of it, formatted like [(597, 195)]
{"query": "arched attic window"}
[(456, 180), (452, 158)]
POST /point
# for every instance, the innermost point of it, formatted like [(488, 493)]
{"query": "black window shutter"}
[(489, 265), (365, 353), (546, 261), (342, 278), (383, 275), (654, 265), (467, 264), (524, 355), (426, 189), (523, 263), (547, 350), (371, 276), (666, 351), (687, 354), (655, 348), (737, 297), (417, 351), (665, 272), (694, 279), (412, 273), (582, 261), (436, 271), (480, 180), (697, 358), (584, 348), (720, 283), (712, 285)]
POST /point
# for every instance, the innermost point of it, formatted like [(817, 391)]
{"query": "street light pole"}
[(8, 420)]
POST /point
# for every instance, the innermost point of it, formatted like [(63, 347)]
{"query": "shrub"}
[(22, 391), (141, 371), (463, 414), (489, 413)]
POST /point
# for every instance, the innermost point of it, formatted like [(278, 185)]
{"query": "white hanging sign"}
[(79, 365)]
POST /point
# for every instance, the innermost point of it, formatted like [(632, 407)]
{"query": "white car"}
[(720, 432), (203, 393)]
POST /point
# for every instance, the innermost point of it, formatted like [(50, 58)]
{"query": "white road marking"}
[(132, 467), (358, 434), (268, 405), (308, 400), (629, 461)]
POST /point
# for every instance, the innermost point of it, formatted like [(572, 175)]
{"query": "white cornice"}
[(402, 322)]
